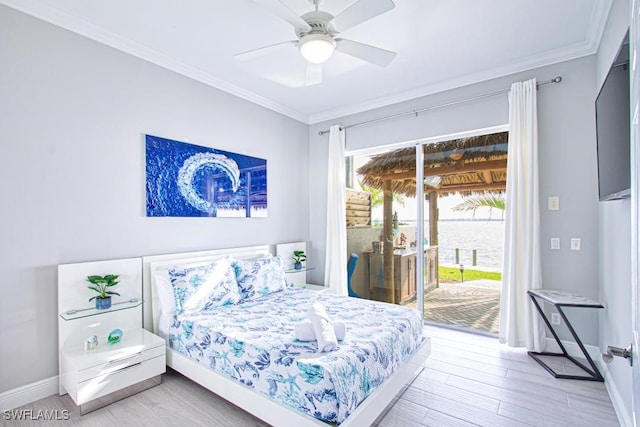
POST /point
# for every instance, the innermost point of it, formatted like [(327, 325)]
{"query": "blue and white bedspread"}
[(253, 342)]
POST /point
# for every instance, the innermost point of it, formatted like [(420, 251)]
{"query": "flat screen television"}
[(613, 131)]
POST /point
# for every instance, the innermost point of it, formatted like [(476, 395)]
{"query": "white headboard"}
[(151, 306)]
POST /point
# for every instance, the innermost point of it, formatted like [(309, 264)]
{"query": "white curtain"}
[(520, 325), (335, 273)]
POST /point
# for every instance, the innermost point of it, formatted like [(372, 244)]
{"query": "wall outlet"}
[(555, 243), (575, 244), (553, 203), (555, 318)]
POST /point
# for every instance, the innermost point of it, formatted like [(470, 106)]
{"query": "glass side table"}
[(561, 299)]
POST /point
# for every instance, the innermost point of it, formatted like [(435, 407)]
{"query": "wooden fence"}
[(358, 208)]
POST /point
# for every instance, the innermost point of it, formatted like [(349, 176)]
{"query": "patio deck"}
[(472, 305)]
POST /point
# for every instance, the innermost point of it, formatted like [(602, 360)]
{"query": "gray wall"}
[(73, 114), (614, 257), (567, 164), (72, 119), (567, 169)]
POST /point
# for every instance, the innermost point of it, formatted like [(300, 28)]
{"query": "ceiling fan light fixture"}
[(317, 48)]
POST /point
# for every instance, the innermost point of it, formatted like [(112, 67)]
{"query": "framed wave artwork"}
[(194, 181)]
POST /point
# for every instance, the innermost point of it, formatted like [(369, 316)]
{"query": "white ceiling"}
[(440, 44)]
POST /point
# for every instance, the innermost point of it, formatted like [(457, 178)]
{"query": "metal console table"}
[(561, 299)]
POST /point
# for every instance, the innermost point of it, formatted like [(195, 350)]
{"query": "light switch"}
[(554, 203), (575, 244), (555, 243)]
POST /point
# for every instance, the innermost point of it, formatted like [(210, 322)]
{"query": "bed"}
[(246, 351)]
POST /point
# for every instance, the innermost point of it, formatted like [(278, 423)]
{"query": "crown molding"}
[(83, 28), (589, 46), (54, 16), (545, 59), (599, 16)]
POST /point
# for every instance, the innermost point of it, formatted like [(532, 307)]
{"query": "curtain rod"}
[(448, 104)]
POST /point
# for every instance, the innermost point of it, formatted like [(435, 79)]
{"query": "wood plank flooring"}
[(472, 380), (468, 380)]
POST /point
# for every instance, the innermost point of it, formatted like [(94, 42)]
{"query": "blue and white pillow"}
[(259, 277), (199, 289)]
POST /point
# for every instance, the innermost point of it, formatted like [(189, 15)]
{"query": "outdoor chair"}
[(351, 267)]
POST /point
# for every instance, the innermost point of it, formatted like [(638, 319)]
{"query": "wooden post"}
[(387, 237), (433, 218), (433, 229)]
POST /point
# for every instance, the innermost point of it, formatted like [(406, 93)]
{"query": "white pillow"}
[(164, 289), (260, 277), (203, 289)]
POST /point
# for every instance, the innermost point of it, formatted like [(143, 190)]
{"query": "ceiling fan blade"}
[(314, 74), (359, 12), (265, 50), (284, 12), (366, 52)]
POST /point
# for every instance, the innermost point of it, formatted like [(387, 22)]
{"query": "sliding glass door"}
[(395, 229)]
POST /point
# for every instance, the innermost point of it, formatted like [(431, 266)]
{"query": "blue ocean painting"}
[(190, 180)]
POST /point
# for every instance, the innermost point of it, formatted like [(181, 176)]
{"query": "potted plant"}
[(298, 257), (102, 285)]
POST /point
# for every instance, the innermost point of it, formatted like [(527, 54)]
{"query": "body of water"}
[(486, 237)]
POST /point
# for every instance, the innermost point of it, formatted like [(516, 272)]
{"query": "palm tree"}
[(377, 195), (487, 200)]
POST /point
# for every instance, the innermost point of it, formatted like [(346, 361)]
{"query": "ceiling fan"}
[(317, 33)]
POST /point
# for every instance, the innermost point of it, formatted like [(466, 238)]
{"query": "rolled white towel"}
[(323, 328), (304, 331)]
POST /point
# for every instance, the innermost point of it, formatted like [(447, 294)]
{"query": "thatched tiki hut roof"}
[(465, 166), (461, 166)]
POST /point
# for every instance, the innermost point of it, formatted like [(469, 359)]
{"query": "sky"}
[(445, 205)]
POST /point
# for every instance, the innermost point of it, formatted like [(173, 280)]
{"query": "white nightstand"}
[(295, 277), (97, 377), (132, 365), (317, 288)]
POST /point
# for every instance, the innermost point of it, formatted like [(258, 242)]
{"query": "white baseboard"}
[(28, 393), (595, 354), (616, 399)]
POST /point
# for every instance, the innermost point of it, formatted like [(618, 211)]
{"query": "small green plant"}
[(102, 284), (299, 256)]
